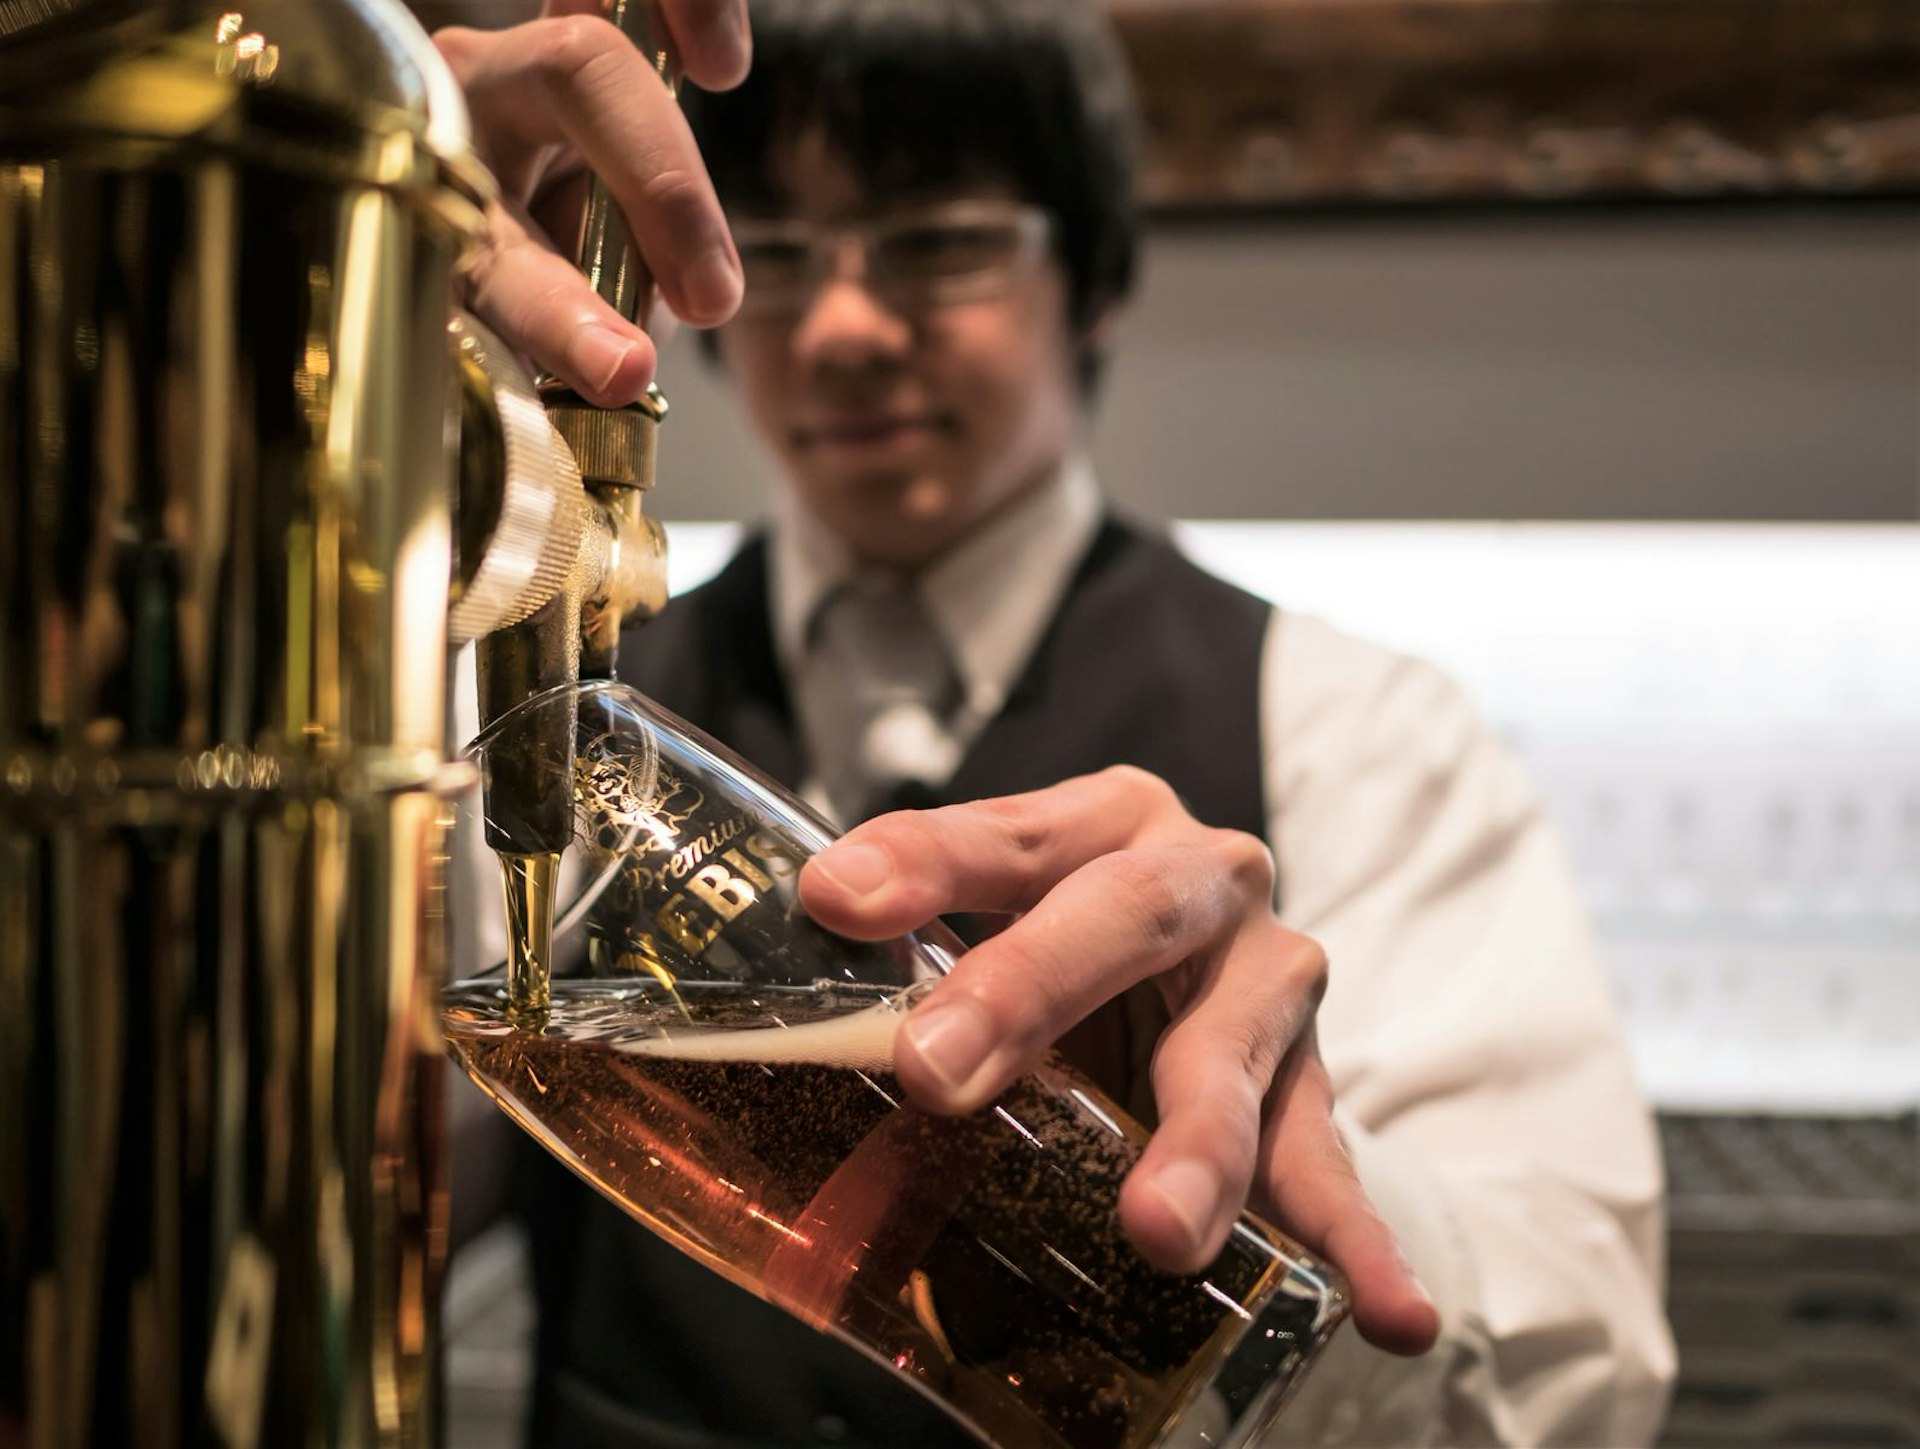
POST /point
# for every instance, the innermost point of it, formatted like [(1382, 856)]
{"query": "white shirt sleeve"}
[(1483, 1079)]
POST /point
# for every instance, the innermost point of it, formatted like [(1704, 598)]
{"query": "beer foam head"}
[(861, 1040)]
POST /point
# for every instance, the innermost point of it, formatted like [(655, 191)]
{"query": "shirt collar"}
[(990, 597)]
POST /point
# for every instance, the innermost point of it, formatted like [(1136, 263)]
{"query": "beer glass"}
[(722, 1068)]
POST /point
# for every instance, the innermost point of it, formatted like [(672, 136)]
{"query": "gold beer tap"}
[(616, 447), (596, 517)]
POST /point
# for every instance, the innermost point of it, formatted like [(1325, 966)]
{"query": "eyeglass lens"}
[(927, 254)]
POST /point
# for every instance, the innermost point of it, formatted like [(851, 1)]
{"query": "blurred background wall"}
[(1647, 363)]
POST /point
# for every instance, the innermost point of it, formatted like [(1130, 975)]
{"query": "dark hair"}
[(929, 93)]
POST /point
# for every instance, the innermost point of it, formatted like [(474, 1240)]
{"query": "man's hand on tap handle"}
[(566, 96)]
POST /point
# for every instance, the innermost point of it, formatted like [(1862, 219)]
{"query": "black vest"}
[(1148, 661)]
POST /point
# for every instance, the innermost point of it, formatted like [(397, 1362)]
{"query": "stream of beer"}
[(531, 881)]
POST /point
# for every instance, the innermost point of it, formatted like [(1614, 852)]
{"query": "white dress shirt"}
[(1483, 1080)]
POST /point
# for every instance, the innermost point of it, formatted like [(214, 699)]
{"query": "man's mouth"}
[(869, 430)]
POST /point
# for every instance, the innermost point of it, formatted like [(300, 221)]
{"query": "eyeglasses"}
[(962, 251)]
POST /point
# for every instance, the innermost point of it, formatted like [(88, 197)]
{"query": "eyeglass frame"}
[(826, 245)]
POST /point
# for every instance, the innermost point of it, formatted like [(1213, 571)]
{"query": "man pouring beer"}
[(1188, 803)]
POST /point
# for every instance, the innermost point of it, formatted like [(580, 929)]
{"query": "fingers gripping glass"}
[(721, 1067), (961, 252)]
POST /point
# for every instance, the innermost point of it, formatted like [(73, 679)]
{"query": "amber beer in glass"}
[(722, 1069)]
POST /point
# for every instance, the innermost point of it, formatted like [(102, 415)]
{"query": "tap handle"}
[(608, 256)]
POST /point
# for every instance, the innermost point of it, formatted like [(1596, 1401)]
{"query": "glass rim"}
[(806, 825), (533, 703)]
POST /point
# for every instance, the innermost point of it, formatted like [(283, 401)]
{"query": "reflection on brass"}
[(1291, 103), (227, 235), (244, 54), (236, 1381)]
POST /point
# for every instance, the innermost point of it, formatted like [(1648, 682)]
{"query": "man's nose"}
[(846, 322)]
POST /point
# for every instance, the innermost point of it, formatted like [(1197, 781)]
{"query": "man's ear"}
[(1096, 338), (1096, 346)]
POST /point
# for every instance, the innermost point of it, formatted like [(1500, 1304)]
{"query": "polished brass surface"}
[(226, 247), (613, 446), (632, 568), (348, 90), (523, 516), (617, 449)]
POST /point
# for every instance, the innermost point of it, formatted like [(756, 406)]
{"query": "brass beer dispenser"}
[(233, 554)]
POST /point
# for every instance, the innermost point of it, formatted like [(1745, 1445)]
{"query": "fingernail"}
[(598, 353), (1191, 1192), (713, 285), (859, 870), (953, 1038)]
